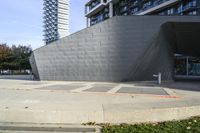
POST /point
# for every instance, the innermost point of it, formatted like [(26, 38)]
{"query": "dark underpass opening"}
[(184, 38)]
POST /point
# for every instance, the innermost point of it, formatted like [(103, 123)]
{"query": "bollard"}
[(159, 76)]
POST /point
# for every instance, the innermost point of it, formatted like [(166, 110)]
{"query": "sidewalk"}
[(82, 102)]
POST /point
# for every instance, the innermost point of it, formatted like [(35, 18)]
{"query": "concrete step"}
[(46, 128)]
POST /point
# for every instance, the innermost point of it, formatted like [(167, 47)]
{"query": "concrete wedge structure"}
[(123, 48)]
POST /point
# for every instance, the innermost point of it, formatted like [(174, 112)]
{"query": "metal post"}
[(187, 65), (87, 20), (159, 78)]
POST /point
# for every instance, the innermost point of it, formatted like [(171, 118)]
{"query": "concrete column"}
[(198, 10), (88, 22), (86, 9), (110, 9)]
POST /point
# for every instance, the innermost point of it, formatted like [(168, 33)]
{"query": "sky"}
[(21, 21)]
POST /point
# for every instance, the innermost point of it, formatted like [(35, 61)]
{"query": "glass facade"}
[(181, 8), (100, 16), (185, 65), (147, 7)]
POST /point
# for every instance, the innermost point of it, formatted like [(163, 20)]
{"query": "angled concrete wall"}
[(125, 48)]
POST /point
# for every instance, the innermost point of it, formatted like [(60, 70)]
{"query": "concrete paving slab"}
[(61, 87), (143, 90), (99, 88)]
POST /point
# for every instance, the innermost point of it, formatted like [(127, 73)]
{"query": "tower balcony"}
[(94, 6), (157, 5)]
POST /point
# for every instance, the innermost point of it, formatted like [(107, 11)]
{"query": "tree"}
[(22, 54), (15, 57), (5, 53)]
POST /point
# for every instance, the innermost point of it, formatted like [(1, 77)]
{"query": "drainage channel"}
[(47, 128)]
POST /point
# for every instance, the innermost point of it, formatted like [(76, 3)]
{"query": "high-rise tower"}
[(56, 20)]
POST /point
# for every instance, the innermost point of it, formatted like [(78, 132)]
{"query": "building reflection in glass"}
[(187, 65)]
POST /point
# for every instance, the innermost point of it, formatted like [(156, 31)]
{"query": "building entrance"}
[(187, 66)]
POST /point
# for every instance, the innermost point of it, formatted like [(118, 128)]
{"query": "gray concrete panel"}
[(60, 87), (143, 90)]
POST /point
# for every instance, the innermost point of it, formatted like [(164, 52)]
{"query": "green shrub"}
[(191, 125)]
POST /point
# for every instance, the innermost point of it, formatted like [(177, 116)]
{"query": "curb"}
[(109, 114), (28, 127)]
